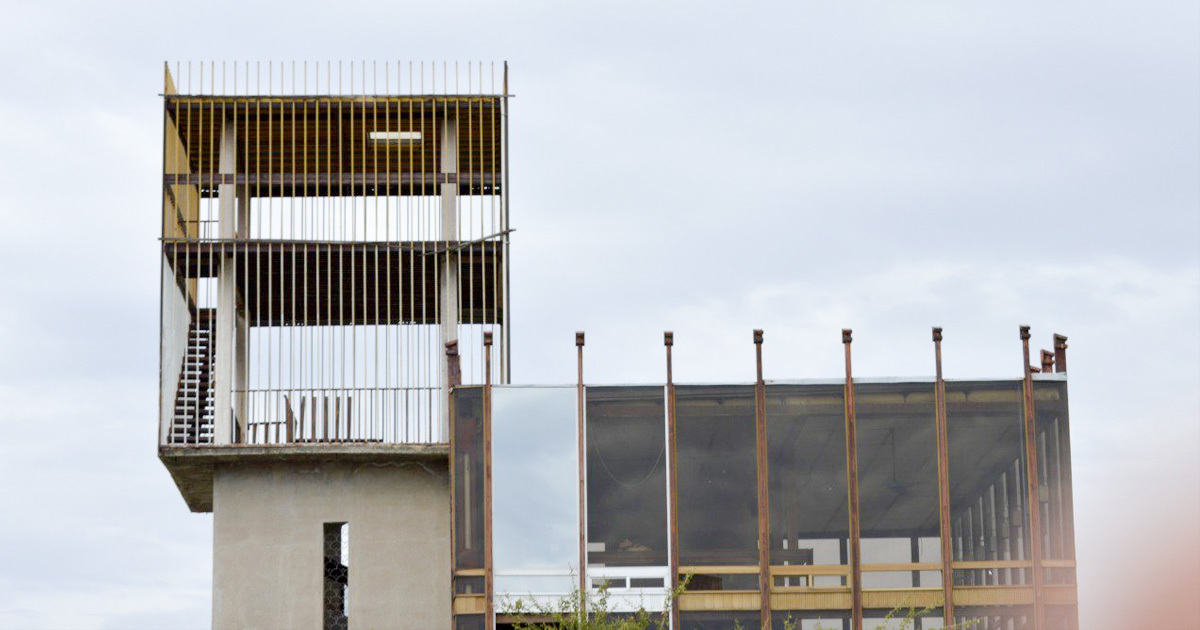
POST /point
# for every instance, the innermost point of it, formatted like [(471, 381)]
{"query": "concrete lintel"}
[(192, 466)]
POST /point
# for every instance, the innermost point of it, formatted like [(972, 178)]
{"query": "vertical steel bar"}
[(489, 619), (672, 484), (852, 489), (581, 439), (453, 378), (1060, 353), (764, 515), (1032, 502), (943, 473)]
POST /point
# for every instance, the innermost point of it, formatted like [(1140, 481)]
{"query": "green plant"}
[(567, 613)]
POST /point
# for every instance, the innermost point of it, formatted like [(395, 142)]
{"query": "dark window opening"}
[(337, 576)]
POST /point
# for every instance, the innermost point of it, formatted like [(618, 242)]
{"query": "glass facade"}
[(719, 620), (535, 492), (987, 479), (897, 479), (467, 403), (806, 455), (1054, 456), (627, 456), (626, 477), (717, 475)]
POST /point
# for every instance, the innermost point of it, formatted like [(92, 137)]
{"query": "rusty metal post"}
[(1033, 501), (1047, 362), (1060, 353), (453, 366), (943, 472), (672, 484), (764, 515), (579, 428), (488, 581), (453, 378), (852, 489)]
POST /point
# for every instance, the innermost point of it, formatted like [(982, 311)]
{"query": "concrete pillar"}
[(226, 290), (448, 272)]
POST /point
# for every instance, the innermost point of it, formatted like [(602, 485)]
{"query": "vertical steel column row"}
[(943, 476), (489, 619), (852, 489), (581, 438), (760, 443), (1032, 503), (505, 327), (672, 485)]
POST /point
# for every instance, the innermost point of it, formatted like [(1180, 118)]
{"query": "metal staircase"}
[(193, 418)]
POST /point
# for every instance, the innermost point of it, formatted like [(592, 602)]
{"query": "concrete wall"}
[(268, 522)]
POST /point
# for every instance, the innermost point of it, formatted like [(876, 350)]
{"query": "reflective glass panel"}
[(806, 443), (987, 471), (626, 476), (535, 492), (717, 479), (468, 477)]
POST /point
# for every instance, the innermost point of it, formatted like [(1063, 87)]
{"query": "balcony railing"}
[(329, 415)]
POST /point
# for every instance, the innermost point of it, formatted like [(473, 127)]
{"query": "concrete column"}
[(448, 272), (226, 291)]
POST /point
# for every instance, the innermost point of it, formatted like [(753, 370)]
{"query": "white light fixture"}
[(395, 137)]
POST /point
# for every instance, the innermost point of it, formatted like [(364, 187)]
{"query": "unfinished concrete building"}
[(335, 390)]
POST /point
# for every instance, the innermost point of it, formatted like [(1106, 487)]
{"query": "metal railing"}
[(332, 415)]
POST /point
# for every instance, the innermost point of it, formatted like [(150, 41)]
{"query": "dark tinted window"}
[(987, 472), (897, 472), (717, 475), (468, 477), (626, 476), (806, 437)]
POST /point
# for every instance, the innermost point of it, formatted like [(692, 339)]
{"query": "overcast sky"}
[(702, 167)]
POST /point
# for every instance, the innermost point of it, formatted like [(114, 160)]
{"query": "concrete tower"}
[(328, 232)]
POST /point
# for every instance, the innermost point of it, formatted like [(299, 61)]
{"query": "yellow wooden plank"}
[(720, 600), (702, 569), (892, 598), (469, 604), (903, 566), (991, 564), (810, 569), (813, 599), (470, 573), (993, 595)]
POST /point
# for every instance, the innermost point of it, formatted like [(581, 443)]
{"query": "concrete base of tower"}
[(387, 521)]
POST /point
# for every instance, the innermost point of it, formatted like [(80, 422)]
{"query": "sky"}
[(706, 168)]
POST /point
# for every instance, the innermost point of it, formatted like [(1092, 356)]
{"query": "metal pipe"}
[(489, 619), (943, 472), (673, 484), (1032, 500), (852, 489), (764, 514), (581, 439), (1060, 353)]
